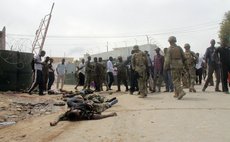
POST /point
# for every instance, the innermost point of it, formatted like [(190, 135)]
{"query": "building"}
[(124, 52), (3, 39)]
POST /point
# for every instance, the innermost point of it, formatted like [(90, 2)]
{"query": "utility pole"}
[(107, 46), (147, 39), (3, 39), (41, 33), (135, 40)]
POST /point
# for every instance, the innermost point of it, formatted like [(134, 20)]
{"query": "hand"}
[(53, 123), (114, 114)]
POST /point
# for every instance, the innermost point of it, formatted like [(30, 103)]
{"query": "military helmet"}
[(135, 47), (172, 39), (187, 46)]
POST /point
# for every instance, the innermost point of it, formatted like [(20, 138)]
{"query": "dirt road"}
[(200, 117)]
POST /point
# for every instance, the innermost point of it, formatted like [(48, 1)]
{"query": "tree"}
[(224, 33)]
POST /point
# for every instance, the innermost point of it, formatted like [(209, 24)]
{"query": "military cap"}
[(172, 39), (186, 45), (135, 47)]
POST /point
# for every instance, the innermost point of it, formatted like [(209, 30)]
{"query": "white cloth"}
[(109, 66), (51, 69), (82, 68), (37, 64), (199, 64), (61, 68)]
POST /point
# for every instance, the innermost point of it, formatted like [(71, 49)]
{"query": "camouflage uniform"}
[(175, 61), (96, 74), (121, 74), (140, 65), (191, 59), (102, 74), (88, 74), (87, 107)]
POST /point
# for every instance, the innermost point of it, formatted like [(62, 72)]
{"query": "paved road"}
[(198, 117)]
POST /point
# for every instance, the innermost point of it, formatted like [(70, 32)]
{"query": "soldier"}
[(121, 74), (88, 73), (140, 65), (102, 74), (85, 110), (96, 75), (213, 65), (132, 75), (175, 61), (158, 70), (191, 59)]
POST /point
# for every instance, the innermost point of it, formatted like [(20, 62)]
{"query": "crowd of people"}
[(176, 67), (44, 73)]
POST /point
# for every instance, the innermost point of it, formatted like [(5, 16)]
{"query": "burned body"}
[(80, 109)]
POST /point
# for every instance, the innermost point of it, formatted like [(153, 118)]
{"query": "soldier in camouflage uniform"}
[(191, 59), (175, 60), (81, 109), (140, 65), (96, 75), (88, 73), (121, 74), (102, 74)]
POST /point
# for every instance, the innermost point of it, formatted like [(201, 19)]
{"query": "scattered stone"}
[(19, 109), (61, 103), (42, 110), (47, 113), (22, 136), (12, 116), (7, 123)]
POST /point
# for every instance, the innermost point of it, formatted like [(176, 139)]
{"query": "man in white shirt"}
[(61, 70), (199, 69), (38, 78), (110, 72)]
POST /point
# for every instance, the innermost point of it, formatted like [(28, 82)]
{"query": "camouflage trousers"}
[(158, 79), (88, 80), (142, 82), (192, 77), (100, 107), (177, 77)]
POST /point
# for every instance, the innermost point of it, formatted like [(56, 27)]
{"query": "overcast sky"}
[(80, 26)]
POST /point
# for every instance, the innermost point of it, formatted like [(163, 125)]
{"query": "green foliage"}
[(224, 33)]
